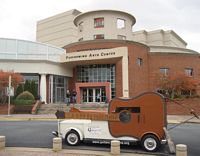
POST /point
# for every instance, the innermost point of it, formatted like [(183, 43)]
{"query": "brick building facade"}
[(97, 56)]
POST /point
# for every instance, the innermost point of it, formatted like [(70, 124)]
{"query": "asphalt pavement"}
[(27, 151)]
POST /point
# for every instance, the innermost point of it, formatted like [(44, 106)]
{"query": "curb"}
[(173, 121), (28, 119), (50, 152), (13, 118)]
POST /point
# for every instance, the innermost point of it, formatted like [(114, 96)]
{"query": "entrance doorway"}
[(93, 95)]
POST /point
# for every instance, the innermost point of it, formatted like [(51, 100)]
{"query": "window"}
[(99, 36), (164, 71), (30, 77), (189, 72), (80, 39), (139, 61), (130, 109), (80, 26), (121, 37), (97, 73), (120, 23), (99, 22)]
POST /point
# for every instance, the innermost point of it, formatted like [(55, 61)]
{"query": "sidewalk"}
[(17, 117), (20, 151), (181, 118)]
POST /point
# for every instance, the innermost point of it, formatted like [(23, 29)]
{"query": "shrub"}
[(26, 95)]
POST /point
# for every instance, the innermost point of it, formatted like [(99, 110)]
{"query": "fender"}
[(75, 129)]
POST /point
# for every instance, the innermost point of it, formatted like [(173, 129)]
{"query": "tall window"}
[(139, 61), (164, 71), (97, 73), (99, 22), (189, 72), (99, 36), (30, 77), (120, 23)]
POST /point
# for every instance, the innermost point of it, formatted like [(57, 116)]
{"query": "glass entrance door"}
[(60, 96), (93, 95)]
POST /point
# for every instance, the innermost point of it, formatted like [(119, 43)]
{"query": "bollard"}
[(115, 147), (2, 142), (181, 150), (57, 144)]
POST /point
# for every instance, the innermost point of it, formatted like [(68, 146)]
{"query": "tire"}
[(150, 143), (72, 138)]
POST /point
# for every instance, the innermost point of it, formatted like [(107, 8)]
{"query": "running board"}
[(169, 141)]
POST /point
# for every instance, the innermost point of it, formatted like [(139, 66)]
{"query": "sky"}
[(18, 18)]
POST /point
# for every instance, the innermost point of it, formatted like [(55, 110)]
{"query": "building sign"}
[(90, 55), (93, 54)]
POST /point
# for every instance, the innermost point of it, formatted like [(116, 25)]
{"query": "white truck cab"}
[(75, 130)]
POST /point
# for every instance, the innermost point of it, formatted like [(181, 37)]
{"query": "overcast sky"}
[(18, 17)]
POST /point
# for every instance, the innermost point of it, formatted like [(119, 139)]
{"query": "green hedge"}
[(21, 102), (26, 95)]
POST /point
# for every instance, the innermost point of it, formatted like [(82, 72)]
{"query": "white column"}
[(43, 88), (125, 81)]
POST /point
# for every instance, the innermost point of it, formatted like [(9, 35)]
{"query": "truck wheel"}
[(150, 143), (72, 138)]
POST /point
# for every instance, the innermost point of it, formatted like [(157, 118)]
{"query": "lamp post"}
[(9, 91)]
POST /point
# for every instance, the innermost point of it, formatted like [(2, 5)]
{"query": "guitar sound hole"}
[(125, 116)]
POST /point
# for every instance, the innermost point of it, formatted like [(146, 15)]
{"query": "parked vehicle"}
[(130, 120)]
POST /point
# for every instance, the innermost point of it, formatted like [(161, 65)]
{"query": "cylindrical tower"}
[(104, 24)]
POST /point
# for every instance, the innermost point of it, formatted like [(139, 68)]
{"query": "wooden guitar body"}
[(138, 116)]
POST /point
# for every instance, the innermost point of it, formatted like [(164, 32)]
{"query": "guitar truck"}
[(141, 119)]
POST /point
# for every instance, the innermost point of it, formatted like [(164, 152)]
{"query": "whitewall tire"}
[(72, 138), (150, 143)]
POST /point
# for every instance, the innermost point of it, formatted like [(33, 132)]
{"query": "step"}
[(51, 108)]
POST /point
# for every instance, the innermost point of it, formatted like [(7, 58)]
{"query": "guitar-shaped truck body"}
[(144, 114)]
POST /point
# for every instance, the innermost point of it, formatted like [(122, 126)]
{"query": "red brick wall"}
[(118, 78), (138, 75), (72, 81), (175, 62)]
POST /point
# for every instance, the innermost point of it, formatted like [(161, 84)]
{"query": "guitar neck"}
[(92, 116)]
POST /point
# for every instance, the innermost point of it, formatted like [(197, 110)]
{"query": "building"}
[(38, 62), (99, 58)]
